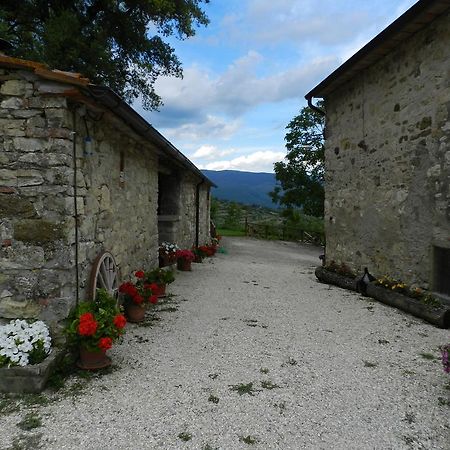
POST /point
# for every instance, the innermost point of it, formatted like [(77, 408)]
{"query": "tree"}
[(300, 178), (114, 43)]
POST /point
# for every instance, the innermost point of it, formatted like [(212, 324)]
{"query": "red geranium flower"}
[(87, 325), (138, 299), (120, 321), (105, 343), (153, 299), (155, 288), (139, 274)]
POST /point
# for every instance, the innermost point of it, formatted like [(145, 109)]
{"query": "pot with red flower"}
[(161, 278), (184, 260), (199, 253), (93, 328), (136, 296)]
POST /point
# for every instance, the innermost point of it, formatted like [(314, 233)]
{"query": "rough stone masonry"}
[(117, 196), (388, 161)]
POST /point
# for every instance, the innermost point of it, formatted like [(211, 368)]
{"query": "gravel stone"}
[(257, 307)]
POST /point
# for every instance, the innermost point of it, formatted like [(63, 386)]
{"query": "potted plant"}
[(24, 343), (184, 259), (167, 254), (136, 295), (93, 327), (161, 278), (199, 253)]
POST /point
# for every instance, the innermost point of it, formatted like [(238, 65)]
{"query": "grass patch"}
[(428, 356), (185, 436), (30, 421), (250, 440), (8, 405), (168, 309), (227, 232), (370, 364), (269, 385), (26, 442), (264, 370), (243, 389), (213, 399), (443, 401)]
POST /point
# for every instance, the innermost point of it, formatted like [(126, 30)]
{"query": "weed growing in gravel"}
[(8, 405), (428, 356), (168, 309), (370, 364), (281, 406), (264, 370), (291, 361), (208, 447), (443, 401), (185, 436), (30, 421), (269, 385), (242, 389), (213, 376), (408, 372), (250, 440), (410, 417), (383, 341), (213, 399), (26, 442)]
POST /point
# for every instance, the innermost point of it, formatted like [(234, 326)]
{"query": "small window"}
[(442, 270)]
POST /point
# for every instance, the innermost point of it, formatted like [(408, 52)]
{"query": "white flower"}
[(19, 338)]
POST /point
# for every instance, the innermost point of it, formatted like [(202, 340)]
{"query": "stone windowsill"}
[(169, 218)]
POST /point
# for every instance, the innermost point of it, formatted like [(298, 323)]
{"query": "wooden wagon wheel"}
[(104, 275)]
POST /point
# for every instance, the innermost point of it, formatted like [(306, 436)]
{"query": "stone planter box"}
[(29, 379), (438, 316)]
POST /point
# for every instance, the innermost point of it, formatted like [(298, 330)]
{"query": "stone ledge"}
[(438, 316), (29, 379)]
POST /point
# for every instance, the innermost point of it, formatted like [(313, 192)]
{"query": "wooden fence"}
[(284, 233)]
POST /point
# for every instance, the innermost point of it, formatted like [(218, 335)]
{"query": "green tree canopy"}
[(117, 43), (300, 176)]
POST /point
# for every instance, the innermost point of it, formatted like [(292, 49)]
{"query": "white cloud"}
[(212, 152), (209, 126), (235, 91), (259, 161)]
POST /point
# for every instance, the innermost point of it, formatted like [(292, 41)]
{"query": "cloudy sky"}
[(246, 74)]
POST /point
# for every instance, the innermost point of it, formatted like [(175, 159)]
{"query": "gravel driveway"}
[(253, 352)]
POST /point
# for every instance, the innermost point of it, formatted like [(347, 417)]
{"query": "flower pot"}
[(167, 260), (90, 360), (184, 265), (135, 313), (161, 290)]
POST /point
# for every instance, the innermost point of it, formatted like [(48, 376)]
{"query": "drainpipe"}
[(75, 194), (314, 107), (197, 211)]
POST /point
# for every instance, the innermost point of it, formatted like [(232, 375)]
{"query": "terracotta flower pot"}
[(135, 313), (161, 290), (90, 360), (198, 259), (184, 265)]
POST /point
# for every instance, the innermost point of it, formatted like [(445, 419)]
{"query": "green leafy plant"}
[(159, 276), (95, 325)]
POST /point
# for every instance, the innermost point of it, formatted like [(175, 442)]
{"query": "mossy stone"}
[(14, 206), (38, 231)]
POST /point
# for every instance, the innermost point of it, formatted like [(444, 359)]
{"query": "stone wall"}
[(388, 161), (116, 197), (116, 214), (36, 258)]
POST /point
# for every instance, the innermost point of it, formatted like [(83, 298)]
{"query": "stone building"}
[(82, 173), (387, 157)]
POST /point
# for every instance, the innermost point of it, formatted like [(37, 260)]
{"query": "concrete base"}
[(29, 379)]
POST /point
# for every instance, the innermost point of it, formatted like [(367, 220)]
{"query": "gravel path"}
[(329, 369)]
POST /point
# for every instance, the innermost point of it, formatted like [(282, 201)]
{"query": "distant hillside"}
[(249, 188)]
